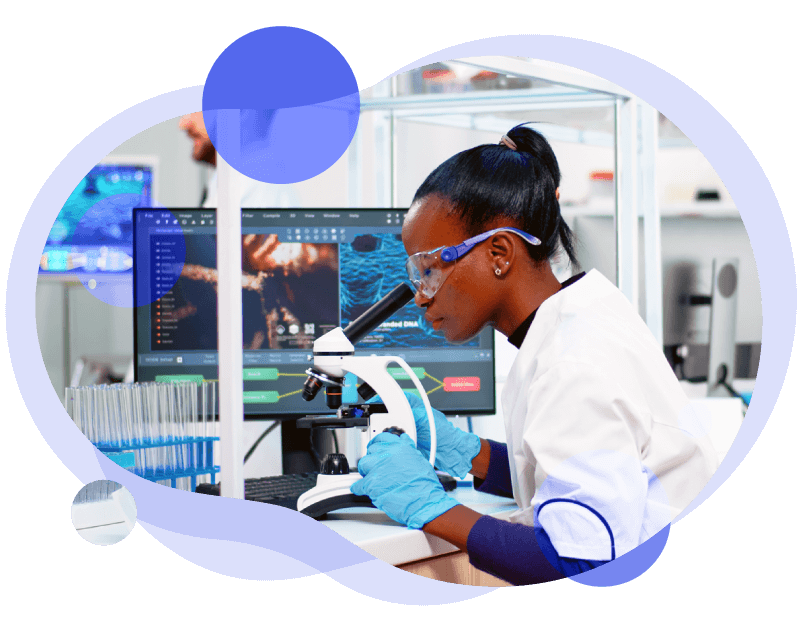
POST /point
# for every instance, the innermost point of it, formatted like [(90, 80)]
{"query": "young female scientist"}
[(602, 448)]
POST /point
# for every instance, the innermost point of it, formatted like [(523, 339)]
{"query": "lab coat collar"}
[(518, 336)]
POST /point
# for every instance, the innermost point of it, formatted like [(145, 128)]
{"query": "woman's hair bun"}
[(514, 180)]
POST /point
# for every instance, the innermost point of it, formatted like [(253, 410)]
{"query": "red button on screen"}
[(462, 384)]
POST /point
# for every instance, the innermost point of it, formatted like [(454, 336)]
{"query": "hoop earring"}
[(497, 272)]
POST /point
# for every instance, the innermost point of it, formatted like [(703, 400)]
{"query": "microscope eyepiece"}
[(379, 312)]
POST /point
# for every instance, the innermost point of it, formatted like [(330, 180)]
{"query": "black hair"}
[(493, 181)]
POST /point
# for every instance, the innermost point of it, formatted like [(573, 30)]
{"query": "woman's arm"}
[(492, 470), (480, 464), (515, 553), (454, 526)]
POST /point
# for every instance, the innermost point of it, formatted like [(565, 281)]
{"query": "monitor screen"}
[(93, 231), (304, 272)]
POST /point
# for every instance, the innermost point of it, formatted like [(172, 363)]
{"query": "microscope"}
[(334, 357)]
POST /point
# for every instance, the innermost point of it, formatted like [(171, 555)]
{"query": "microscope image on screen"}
[(276, 314), (371, 267), (280, 275)]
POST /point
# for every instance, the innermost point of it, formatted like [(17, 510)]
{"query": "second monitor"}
[(304, 272)]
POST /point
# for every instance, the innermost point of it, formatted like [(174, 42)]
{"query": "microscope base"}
[(332, 492)]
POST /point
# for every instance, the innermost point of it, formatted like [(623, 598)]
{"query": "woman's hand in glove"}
[(400, 482)]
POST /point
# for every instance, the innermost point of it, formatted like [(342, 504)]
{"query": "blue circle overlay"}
[(207, 531), (281, 105), (628, 566)]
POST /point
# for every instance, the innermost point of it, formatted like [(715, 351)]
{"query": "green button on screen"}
[(171, 379), (399, 373), (260, 374), (261, 396)]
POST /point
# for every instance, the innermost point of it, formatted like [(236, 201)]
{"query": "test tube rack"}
[(204, 447), (162, 432)]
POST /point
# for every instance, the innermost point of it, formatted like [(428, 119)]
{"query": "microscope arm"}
[(374, 370)]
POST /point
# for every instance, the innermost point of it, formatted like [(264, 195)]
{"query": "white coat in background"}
[(604, 447), (257, 194)]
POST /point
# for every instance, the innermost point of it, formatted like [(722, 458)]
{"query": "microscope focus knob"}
[(335, 464)]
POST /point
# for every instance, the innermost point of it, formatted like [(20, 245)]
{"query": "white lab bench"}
[(413, 550)]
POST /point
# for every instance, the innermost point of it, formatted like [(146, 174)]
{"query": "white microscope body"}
[(334, 357)]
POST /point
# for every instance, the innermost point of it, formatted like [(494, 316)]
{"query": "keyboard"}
[(281, 490), (284, 490)]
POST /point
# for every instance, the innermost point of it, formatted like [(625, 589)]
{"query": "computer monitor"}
[(93, 232), (304, 272)]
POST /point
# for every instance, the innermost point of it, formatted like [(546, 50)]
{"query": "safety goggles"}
[(428, 270)]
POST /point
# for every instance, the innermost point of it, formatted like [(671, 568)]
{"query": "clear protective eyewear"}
[(428, 270)]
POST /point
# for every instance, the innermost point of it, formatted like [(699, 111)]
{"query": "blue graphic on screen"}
[(93, 232), (371, 266)]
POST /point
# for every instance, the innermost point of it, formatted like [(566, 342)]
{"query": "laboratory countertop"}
[(380, 536)]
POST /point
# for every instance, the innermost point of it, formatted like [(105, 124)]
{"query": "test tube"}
[(162, 403), (112, 416), (98, 416), (155, 429), (141, 415), (136, 414), (173, 393), (81, 414), (109, 420), (189, 431), (116, 416), (103, 433), (185, 426), (203, 419), (180, 424), (126, 406), (212, 431), (177, 419), (117, 411), (92, 420)]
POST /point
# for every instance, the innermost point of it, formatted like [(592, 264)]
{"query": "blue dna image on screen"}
[(372, 265)]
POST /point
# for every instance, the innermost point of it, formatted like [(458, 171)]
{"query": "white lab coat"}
[(257, 194), (599, 431)]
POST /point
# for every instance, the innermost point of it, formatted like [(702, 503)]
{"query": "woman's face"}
[(468, 297)]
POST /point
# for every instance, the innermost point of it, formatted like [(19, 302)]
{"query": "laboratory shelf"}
[(671, 210)]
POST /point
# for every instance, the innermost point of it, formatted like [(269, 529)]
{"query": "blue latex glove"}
[(400, 482), (455, 449)]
